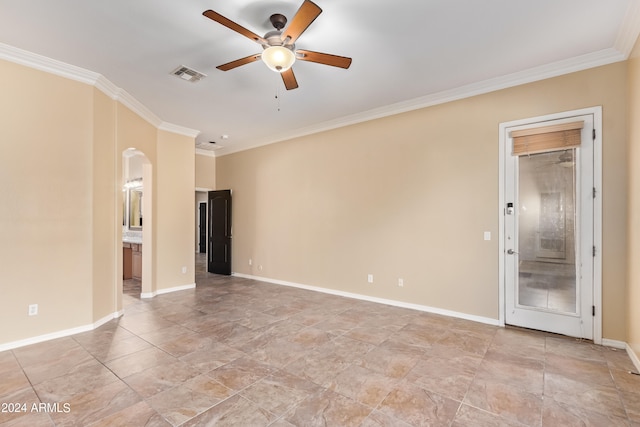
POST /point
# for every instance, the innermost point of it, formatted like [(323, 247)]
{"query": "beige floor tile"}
[(235, 411), (603, 399), (419, 407), (363, 385), (160, 378), (328, 408), (96, 404), (280, 392), (190, 399), (241, 373), (560, 414), (140, 414), (234, 351), (469, 416), (505, 400), (84, 378)]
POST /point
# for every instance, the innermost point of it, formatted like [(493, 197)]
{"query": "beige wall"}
[(61, 145), (633, 300), (175, 211), (106, 217), (405, 196), (409, 196), (46, 232), (205, 171)]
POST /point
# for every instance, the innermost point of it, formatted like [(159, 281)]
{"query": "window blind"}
[(547, 138)]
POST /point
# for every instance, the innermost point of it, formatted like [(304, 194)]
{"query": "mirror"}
[(135, 208)]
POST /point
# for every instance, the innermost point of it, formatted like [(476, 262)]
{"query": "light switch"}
[(487, 235)]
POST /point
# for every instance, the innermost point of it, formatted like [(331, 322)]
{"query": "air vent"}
[(188, 74), (211, 145)]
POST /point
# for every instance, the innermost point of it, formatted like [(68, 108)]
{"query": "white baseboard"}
[(634, 358), (176, 289), (85, 328), (167, 290), (623, 346), (60, 334), (418, 307)]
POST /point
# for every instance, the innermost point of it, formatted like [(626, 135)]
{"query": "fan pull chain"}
[(278, 94)]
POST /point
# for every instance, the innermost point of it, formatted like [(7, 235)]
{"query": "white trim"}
[(633, 357), (597, 214), (555, 69), (597, 224), (72, 72), (137, 107), (204, 189), (176, 289), (105, 86), (629, 30), (48, 65), (167, 290), (621, 345), (207, 153), (180, 130), (630, 27), (60, 334), (418, 307)]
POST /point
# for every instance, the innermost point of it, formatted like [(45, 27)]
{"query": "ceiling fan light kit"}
[(278, 58), (279, 52)]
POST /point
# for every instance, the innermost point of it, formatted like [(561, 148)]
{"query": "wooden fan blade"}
[(238, 62), (215, 16), (323, 58), (289, 79), (307, 13)]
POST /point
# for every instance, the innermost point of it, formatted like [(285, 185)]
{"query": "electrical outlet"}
[(184, 270), (400, 282), (250, 261), (33, 309), (487, 235), (260, 267), (370, 278)]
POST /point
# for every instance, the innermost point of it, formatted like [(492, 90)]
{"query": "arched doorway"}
[(136, 280)]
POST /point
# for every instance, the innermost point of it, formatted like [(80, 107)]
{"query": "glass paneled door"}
[(549, 226)]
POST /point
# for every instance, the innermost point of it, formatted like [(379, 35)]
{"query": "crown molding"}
[(629, 30), (105, 86), (207, 153), (72, 72), (572, 65), (43, 63), (169, 127)]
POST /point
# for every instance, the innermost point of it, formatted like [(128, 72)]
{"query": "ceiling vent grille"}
[(211, 145), (188, 74)]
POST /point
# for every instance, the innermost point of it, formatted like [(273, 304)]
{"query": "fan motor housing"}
[(278, 21), (274, 38)]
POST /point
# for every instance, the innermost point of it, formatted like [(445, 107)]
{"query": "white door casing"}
[(583, 322)]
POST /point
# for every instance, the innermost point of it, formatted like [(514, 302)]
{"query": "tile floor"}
[(235, 352)]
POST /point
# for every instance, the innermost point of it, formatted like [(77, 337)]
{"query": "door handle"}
[(511, 251)]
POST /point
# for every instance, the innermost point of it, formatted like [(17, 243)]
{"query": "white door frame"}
[(597, 209)]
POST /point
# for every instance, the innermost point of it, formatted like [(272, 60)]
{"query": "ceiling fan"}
[(279, 49)]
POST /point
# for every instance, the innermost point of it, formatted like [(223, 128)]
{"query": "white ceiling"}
[(406, 54)]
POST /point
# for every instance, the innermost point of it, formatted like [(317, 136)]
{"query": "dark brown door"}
[(203, 228), (219, 232)]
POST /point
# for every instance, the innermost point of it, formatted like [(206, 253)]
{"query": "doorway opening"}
[(201, 229), (137, 179), (550, 222)]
